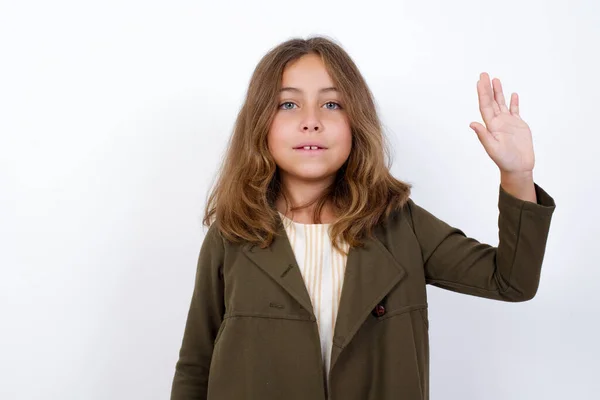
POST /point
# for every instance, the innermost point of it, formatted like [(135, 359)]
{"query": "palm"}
[(505, 136)]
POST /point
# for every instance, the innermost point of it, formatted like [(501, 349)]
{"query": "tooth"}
[(314, 147), (306, 147)]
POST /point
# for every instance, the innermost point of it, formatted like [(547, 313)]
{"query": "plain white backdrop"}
[(113, 119)]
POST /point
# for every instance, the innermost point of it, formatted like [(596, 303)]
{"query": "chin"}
[(312, 176)]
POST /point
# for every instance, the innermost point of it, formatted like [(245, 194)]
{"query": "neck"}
[(300, 193)]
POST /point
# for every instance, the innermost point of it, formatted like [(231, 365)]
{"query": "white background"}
[(113, 119)]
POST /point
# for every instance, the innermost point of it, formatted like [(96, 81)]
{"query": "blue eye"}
[(333, 102), (283, 104)]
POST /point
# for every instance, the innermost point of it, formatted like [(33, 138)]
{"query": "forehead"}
[(307, 73)]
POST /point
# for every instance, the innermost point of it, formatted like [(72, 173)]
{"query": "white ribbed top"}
[(322, 268)]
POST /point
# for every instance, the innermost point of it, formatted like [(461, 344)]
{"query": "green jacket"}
[(251, 332)]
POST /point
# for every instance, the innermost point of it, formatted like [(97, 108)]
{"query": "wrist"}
[(516, 176), (519, 184)]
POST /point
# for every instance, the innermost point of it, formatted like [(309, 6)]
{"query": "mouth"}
[(309, 148)]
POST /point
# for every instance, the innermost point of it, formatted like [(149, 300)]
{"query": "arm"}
[(203, 321), (509, 272)]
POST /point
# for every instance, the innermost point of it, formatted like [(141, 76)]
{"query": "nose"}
[(310, 127), (311, 122)]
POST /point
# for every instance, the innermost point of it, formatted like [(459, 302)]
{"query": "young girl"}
[(310, 282)]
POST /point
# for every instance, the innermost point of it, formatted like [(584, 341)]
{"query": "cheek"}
[(344, 136), (275, 138)]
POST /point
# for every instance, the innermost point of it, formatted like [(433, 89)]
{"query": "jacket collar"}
[(371, 272)]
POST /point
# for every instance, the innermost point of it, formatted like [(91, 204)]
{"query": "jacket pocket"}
[(401, 310), (424, 317), (220, 331)]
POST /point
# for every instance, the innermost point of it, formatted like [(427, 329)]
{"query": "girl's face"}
[(311, 112)]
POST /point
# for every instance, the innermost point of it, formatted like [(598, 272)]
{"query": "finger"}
[(487, 105), (485, 136), (514, 105), (499, 95)]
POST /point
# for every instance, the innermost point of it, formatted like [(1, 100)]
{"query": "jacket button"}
[(379, 310)]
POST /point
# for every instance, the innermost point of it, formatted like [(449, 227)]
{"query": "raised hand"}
[(505, 136)]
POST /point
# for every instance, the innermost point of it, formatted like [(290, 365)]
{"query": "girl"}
[(310, 282)]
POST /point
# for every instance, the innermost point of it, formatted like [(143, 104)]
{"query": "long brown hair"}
[(364, 191)]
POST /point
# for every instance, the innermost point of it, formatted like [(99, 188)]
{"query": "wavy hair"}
[(242, 201)]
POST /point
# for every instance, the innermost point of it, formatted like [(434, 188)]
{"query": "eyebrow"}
[(293, 89)]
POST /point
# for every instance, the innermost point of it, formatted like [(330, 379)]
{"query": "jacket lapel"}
[(371, 272), (279, 262)]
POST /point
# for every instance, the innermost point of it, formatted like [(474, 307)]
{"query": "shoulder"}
[(409, 215), (213, 238), (397, 217)]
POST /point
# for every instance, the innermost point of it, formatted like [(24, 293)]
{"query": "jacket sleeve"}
[(509, 272), (203, 322)]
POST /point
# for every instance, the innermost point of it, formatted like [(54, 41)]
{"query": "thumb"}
[(482, 133)]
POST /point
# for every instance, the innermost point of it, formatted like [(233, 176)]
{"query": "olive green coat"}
[(251, 332)]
